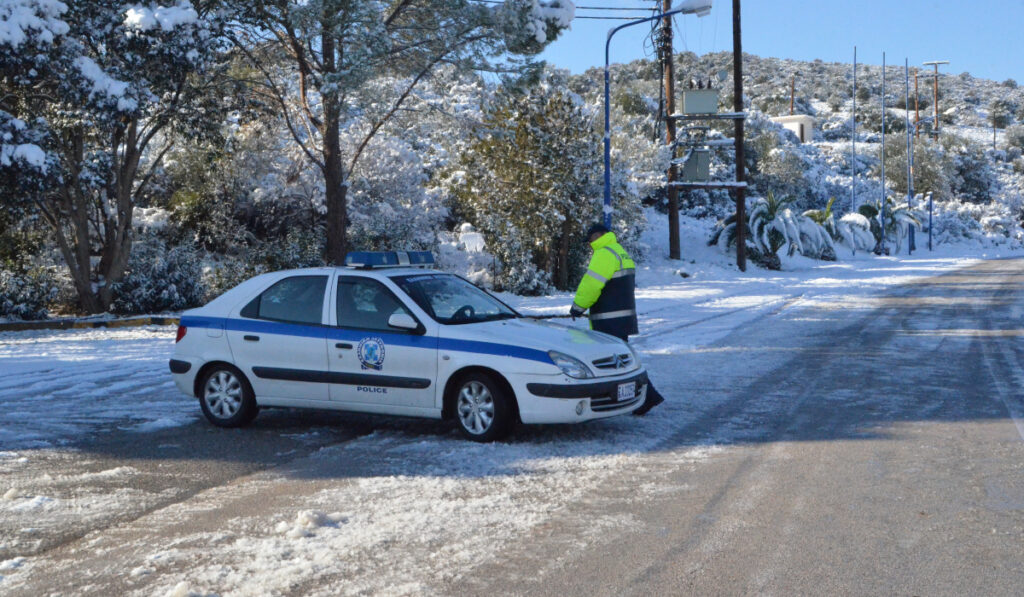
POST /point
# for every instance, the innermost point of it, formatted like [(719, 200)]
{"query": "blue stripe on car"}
[(332, 333)]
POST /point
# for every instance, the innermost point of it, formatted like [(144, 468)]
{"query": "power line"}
[(635, 8)]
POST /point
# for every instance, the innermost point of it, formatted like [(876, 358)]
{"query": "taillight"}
[(181, 333)]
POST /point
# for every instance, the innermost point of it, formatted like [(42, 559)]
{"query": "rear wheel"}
[(483, 411), (226, 397)]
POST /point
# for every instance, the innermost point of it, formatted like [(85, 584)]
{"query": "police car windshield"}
[(451, 300)]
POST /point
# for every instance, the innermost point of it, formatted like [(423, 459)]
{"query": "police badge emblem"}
[(371, 353)]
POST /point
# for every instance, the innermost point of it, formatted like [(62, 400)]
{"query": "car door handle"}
[(252, 338), (343, 345)]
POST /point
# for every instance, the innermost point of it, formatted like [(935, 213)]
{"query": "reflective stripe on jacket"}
[(607, 288)]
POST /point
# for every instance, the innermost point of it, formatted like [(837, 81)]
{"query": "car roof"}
[(363, 271)]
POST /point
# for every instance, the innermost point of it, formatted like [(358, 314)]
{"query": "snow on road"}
[(395, 511)]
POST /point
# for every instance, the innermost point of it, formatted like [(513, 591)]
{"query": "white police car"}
[(387, 335)]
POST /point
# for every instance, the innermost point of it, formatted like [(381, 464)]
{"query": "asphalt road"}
[(869, 447), (877, 449)]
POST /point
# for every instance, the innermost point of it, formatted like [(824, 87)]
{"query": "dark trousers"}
[(653, 395)]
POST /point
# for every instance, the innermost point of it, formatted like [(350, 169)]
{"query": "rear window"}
[(298, 299)]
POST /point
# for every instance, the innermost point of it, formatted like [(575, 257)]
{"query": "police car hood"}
[(585, 345)]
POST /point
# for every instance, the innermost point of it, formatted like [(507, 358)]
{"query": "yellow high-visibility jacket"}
[(607, 289)]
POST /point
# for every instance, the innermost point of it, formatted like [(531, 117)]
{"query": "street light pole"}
[(935, 88), (882, 211), (910, 160), (853, 136), (701, 8)]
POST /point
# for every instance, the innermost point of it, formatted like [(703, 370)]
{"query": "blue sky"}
[(985, 37)]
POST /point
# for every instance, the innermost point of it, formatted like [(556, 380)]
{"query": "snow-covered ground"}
[(396, 511)]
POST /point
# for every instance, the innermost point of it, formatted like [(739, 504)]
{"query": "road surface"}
[(859, 446)]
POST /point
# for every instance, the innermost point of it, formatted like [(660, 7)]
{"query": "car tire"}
[(227, 398), (483, 410)]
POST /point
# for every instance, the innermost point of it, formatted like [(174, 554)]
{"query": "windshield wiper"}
[(497, 317)]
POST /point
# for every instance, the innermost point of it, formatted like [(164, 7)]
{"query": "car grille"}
[(616, 361)]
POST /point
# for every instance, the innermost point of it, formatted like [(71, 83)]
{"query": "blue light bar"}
[(376, 259)]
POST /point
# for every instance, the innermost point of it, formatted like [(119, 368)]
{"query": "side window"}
[(298, 299), (366, 304)]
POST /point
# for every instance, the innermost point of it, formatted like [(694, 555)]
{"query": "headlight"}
[(569, 366)]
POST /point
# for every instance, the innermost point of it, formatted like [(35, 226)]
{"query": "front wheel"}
[(226, 397), (483, 411)]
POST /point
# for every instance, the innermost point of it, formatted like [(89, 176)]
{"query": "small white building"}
[(801, 125)]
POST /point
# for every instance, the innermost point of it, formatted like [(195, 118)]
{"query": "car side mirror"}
[(403, 321)]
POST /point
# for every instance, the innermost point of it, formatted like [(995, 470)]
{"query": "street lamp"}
[(699, 7), (911, 133)]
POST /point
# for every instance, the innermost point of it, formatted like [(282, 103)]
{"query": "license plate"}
[(627, 391)]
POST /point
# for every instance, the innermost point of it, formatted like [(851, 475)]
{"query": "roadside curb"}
[(79, 324)]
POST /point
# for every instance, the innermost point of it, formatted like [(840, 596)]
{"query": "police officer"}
[(607, 289)]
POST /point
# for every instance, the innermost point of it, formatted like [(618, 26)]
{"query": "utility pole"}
[(882, 203), (917, 108), (741, 198), (792, 94), (935, 97), (853, 135), (670, 129)]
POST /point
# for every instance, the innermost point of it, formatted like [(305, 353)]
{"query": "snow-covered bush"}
[(1015, 136), (855, 232), (299, 248), (933, 169), (898, 219), (958, 221), (771, 226), (159, 279), (27, 293), (972, 178)]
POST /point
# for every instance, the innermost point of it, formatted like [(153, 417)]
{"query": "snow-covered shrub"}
[(855, 232), (1015, 136), (933, 169), (898, 219), (958, 221), (1000, 112), (159, 279), (299, 248), (972, 179), (870, 118), (27, 293), (772, 225)]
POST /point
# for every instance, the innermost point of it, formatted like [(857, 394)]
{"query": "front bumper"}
[(573, 402)]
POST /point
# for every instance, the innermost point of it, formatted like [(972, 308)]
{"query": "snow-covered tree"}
[(531, 181), (116, 77), (316, 56)]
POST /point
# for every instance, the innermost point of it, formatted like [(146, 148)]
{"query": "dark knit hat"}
[(595, 228)]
